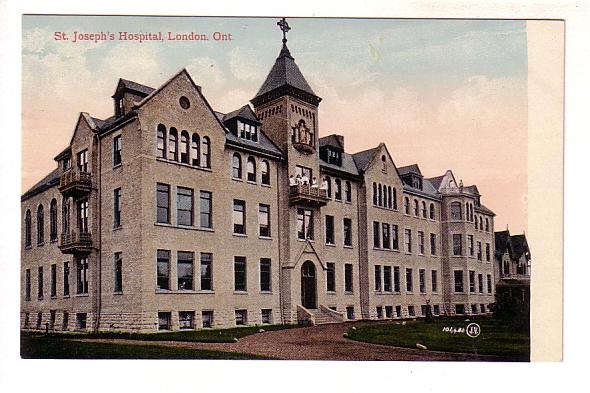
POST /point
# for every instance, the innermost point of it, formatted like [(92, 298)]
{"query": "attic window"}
[(248, 131), (334, 157), (184, 102), (383, 164)]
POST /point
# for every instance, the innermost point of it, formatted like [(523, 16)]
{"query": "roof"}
[(435, 181), (472, 189), (348, 165), (332, 140), (483, 209), (363, 158), (427, 190), (125, 84), (404, 170), (244, 112), (519, 244), (502, 240), (285, 72), (47, 182)]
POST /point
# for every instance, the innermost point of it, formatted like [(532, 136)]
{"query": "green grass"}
[(54, 347), (497, 337), (202, 335)]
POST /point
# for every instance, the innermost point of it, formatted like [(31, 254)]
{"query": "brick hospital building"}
[(170, 215)]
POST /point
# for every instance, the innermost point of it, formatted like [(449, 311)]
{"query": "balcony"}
[(75, 243), (515, 276), (74, 183), (304, 194)]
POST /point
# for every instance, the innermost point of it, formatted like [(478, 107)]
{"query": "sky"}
[(445, 94)]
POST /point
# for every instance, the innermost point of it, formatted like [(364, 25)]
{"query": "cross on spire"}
[(284, 26)]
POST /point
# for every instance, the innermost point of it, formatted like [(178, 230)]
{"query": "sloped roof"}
[(472, 189), (244, 112), (435, 181), (134, 86), (332, 140), (403, 170), (348, 165), (363, 158), (519, 244), (483, 209), (285, 72), (47, 182), (502, 240), (427, 190)]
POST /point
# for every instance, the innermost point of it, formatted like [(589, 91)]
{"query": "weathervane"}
[(284, 26)]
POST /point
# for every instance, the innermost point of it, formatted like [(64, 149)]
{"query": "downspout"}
[(279, 244), (99, 245)]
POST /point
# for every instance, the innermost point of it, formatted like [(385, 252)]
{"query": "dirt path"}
[(324, 342)]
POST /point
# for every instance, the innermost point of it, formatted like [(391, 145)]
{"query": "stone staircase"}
[(322, 315)]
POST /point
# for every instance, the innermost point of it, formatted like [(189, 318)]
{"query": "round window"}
[(184, 102)]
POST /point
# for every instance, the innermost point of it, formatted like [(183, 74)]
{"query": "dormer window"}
[(67, 163), (119, 109), (247, 131), (334, 157)]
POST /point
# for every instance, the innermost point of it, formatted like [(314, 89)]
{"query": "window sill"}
[(241, 293), (53, 240), (348, 202), (265, 185), (40, 244), (408, 253), (239, 234), (304, 240), (349, 247), (190, 228), (28, 247), (40, 298), (265, 237), (66, 296), (53, 297), (118, 293), (349, 293), (251, 182), (117, 228), (237, 179), (119, 165), (330, 244), (81, 295), (201, 168), (265, 292), (332, 293)]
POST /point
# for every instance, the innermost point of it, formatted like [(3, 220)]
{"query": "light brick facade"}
[(322, 244)]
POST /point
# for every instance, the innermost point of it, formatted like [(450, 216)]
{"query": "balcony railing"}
[(75, 242), (515, 276), (74, 183), (304, 194)]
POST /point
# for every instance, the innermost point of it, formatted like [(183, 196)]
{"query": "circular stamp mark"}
[(473, 330)]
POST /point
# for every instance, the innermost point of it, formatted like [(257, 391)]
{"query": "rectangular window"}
[(163, 269), (81, 320), (387, 278), (264, 220), (28, 284), (117, 208), (421, 242), (396, 279), (377, 277), (117, 150), (479, 256), (39, 319), (458, 281), (265, 275), (394, 237), (459, 309), (185, 270), (388, 311), (82, 275), (66, 279), (40, 283), (423, 310), (266, 315), (408, 239), (376, 234), (304, 224), (457, 244), (240, 273), (347, 223), (487, 252), (83, 216), (241, 317), (53, 280), (207, 318), (206, 271), (163, 202), (83, 161), (184, 206), (118, 270), (350, 313), (239, 217), (480, 282), (409, 283), (164, 320), (422, 279), (471, 281), (489, 282), (386, 235), (411, 311), (65, 321), (432, 244), (436, 309), (331, 277), (186, 320), (470, 244), (434, 281), (398, 311), (330, 230), (348, 277), (206, 210), (380, 312)]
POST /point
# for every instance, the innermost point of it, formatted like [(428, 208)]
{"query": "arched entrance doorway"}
[(308, 285)]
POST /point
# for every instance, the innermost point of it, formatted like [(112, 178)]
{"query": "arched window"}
[(161, 141), (28, 228), (487, 225), (456, 211), (394, 197), (476, 222), (236, 166), (407, 205), (65, 216), (383, 164), (265, 173), (416, 208), (195, 147), (53, 220), (481, 223), (467, 211), (432, 212), (173, 144), (338, 191), (389, 204), (251, 169), (471, 211), (374, 194), (40, 225), (184, 147), (424, 209), (206, 152), (348, 191), (380, 202)]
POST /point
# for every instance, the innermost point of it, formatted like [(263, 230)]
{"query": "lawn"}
[(202, 335), (496, 338), (58, 347)]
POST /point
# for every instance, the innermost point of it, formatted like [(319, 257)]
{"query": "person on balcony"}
[(314, 182), (292, 181), (298, 180), (305, 179), (324, 185)]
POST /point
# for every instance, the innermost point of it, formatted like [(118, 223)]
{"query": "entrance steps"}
[(318, 316)]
